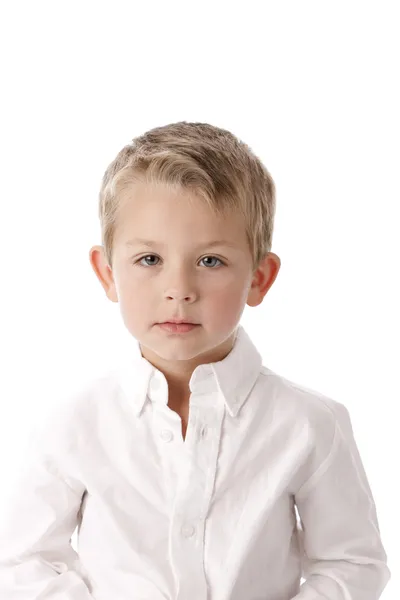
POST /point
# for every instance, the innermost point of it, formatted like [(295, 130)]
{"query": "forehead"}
[(158, 213)]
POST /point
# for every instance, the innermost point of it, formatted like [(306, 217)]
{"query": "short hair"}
[(210, 162)]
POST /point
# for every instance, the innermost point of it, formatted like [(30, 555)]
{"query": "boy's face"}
[(181, 276)]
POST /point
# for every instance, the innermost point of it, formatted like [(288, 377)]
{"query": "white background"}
[(313, 88)]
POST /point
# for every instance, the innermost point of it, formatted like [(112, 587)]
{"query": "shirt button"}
[(204, 431), (188, 531), (166, 435)]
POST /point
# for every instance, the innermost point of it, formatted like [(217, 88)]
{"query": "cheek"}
[(133, 296), (228, 302)]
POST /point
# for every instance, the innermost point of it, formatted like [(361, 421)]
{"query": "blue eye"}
[(213, 258), (139, 260), (143, 257)]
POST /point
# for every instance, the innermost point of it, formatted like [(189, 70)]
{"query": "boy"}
[(193, 471)]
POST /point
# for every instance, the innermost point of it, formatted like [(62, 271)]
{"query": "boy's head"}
[(182, 187)]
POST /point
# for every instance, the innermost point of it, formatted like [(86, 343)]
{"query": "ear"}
[(263, 278), (103, 272)]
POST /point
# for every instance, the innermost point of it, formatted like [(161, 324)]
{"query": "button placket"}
[(193, 494)]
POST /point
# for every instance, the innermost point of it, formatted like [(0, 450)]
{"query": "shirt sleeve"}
[(36, 556), (343, 555)]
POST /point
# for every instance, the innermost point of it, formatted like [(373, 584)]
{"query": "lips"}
[(178, 327), (177, 322)]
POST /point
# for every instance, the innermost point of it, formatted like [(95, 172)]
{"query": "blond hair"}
[(207, 160)]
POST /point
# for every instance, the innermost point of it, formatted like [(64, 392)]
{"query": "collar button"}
[(166, 435)]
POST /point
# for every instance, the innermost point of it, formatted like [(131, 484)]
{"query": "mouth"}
[(178, 323), (178, 327)]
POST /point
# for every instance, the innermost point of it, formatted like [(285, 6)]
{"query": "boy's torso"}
[(220, 498)]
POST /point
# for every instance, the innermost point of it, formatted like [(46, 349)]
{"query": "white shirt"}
[(267, 489)]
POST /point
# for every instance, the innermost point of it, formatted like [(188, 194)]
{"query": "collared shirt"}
[(265, 499)]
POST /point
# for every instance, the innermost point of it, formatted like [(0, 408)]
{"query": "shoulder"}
[(73, 413), (316, 425), (320, 413)]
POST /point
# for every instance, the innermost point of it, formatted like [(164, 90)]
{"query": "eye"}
[(139, 260), (213, 258), (143, 257)]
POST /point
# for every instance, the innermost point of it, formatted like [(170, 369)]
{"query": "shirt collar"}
[(233, 377)]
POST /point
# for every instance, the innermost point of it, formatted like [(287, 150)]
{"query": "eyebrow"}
[(151, 244)]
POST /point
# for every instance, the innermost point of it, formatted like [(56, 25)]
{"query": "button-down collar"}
[(233, 377)]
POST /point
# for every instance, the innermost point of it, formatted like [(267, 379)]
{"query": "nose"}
[(179, 284)]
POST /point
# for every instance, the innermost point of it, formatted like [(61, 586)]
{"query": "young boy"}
[(192, 471)]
